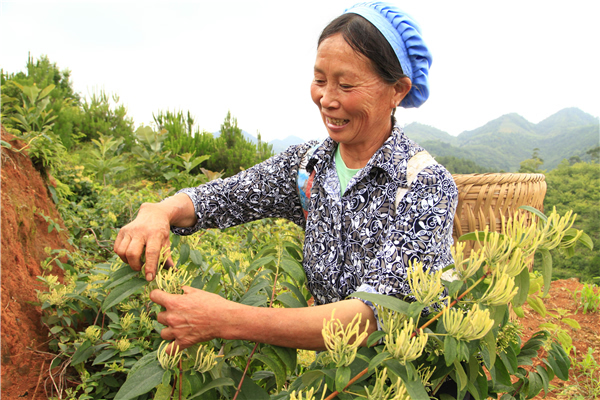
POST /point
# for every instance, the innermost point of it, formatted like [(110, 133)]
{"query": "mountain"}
[(504, 142), (280, 145)]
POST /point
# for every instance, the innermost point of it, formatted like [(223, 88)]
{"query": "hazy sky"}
[(255, 58)]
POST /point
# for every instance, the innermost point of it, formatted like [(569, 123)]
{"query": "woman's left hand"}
[(193, 317)]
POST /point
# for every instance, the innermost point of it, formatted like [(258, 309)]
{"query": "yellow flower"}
[(402, 345), (472, 326), (343, 343), (205, 359), (425, 286)]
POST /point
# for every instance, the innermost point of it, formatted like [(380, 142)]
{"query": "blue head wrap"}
[(404, 35)]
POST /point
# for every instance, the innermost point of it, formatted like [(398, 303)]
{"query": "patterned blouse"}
[(358, 241)]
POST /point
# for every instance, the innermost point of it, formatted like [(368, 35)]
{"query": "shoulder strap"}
[(415, 165), (305, 180)]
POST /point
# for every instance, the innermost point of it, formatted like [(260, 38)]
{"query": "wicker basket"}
[(483, 198)]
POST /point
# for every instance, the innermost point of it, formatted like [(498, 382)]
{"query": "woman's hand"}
[(194, 317), (149, 232)]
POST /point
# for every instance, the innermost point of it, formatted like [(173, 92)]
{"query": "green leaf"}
[(342, 377), (184, 254), (46, 91), (104, 356), (259, 262), (378, 359), (163, 392), (294, 269), (196, 257), (383, 300), (450, 349), (219, 382), (254, 290), (571, 322), (56, 329), (586, 241), (414, 310), (141, 380), (289, 300), (462, 376), (500, 373), (536, 212), (250, 390), (488, 349), (546, 269), (509, 358), (411, 379), (537, 305), (296, 292), (268, 357), (535, 384), (374, 338), (288, 355), (544, 377), (83, 353), (122, 291), (122, 278), (522, 282), (213, 284)]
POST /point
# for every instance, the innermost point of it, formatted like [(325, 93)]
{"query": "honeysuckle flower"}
[(500, 291), (205, 359), (469, 266), (495, 247), (384, 391), (343, 343), (306, 395), (425, 286), (122, 344), (555, 228), (127, 321), (473, 325), (389, 319), (92, 333), (523, 232), (402, 345), (515, 265), (172, 280), (166, 360)]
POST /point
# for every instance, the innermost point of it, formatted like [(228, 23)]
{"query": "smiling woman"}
[(396, 207)]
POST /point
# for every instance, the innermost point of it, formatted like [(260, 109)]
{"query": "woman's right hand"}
[(149, 232)]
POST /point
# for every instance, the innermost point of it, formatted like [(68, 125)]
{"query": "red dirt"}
[(24, 237), (561, 297)]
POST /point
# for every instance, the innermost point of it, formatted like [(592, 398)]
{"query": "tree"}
[(577, 187), (532, 165)]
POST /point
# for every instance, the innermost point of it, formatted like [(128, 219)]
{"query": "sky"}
[(255, 58)]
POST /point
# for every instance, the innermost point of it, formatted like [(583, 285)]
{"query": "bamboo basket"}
[(484, 198)]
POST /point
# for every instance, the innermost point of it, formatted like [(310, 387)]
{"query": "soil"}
[(25, 235), (561, 297)]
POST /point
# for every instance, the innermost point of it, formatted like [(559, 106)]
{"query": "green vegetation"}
[(103, 326), (577, 187)]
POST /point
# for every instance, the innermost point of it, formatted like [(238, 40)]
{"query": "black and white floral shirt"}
[(358, 241)]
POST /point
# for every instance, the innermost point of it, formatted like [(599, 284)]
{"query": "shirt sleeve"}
[(421, 232), (266, 190)]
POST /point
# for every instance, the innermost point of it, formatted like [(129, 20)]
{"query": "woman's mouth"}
[(337, 122)]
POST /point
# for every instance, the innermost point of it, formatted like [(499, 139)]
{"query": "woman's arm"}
[(149, 232), (198, 316)]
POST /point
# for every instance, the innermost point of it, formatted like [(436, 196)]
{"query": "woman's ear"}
[(401, 89)]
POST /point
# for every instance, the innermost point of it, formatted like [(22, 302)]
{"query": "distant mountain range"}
[(503, 143)]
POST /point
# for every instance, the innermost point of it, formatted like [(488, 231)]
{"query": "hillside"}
[(503, 143)]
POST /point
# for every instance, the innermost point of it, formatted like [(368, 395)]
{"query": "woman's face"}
[(355, 103)]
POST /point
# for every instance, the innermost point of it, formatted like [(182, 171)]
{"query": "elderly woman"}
[(371, 200)]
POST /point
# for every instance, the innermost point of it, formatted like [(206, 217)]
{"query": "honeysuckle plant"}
[(454, 336)]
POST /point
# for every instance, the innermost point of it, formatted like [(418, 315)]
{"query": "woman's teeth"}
[(338, 122)]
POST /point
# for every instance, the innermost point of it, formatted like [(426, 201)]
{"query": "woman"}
[(364, 219)]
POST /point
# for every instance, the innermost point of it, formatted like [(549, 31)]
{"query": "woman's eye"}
[(343, 86), (318, 81)]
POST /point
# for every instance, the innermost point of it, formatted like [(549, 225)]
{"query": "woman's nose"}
[(329, 97)]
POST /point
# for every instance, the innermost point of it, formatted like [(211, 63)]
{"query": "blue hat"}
[(404, 35)]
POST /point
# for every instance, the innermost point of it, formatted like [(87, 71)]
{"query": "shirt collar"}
[(391, 157)]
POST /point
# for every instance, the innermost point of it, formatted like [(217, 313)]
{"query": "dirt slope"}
[(24, 237)]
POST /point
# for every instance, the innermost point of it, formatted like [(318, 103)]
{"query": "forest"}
[(101, 167)]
